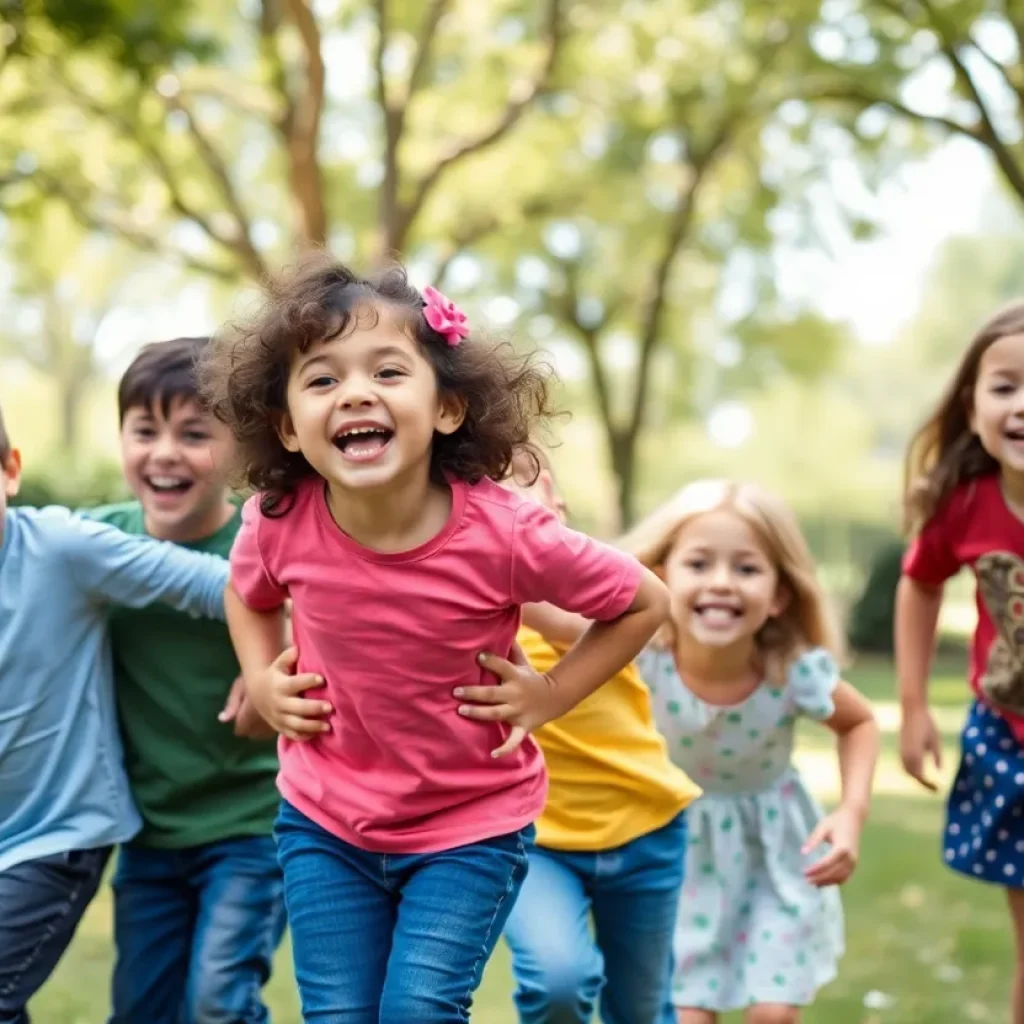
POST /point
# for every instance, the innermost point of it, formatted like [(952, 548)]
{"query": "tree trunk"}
[(622, 446), (72, 391)]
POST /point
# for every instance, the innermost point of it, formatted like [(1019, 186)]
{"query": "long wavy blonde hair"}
[(806, 621)]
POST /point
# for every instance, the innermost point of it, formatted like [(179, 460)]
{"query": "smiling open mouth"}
[(363, 443), (1014, 435), (168, 484), (718, 614)]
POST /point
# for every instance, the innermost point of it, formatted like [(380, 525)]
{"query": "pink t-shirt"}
[(393, 634)]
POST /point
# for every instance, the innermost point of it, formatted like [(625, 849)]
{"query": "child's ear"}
[(286, 431), (12, 473), (783, 599), (451, 414)]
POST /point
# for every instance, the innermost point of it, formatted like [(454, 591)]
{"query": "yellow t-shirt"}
[(611, 779)]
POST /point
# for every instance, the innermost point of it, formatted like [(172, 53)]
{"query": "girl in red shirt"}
[(965, 507)]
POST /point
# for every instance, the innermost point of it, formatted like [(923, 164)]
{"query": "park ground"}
[(925, 946)]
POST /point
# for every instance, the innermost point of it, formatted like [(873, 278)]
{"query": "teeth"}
[(166, 481), (362, 430)]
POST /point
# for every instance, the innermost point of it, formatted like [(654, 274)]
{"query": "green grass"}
[(925, 946)]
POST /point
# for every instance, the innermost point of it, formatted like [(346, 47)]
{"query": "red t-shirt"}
[(976, 527), (393, 634)]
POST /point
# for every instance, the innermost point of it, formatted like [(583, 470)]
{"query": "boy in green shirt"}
[(198, 904)]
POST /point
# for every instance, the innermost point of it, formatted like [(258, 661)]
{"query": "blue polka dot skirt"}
[(985, 818)]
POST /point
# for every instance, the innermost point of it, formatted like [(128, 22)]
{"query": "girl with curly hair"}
[(374, 424)]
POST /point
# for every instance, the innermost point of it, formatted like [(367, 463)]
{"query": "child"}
[(611, 842), (749, 648), (199, 907), (965, 502), (64, 797), (374, 424)]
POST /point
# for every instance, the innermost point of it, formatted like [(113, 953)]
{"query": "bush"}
[(873, 615), (80, 487)]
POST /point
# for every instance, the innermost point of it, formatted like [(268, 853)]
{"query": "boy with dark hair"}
[(64, 797), (198, 904)]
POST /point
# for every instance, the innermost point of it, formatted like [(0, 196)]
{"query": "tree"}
[(222, 163), (952, 68), (665, 198), (65, 295)]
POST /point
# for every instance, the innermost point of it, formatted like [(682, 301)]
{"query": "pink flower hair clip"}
[(444, 316)]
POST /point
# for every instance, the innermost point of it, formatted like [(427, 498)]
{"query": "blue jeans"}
[(41, 903), (633, 894), (196, 930), (393, 938)]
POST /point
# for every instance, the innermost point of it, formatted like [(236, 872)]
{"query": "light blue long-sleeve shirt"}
[(62, 780)]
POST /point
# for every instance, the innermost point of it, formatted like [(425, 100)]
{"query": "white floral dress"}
[(750, 929)]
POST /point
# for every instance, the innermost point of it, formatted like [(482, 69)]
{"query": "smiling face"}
[(997, 408), (175, 462), (363, 407), (723, 584)]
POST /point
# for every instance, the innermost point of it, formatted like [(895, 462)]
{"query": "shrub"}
[(873, 615), (73, 488)]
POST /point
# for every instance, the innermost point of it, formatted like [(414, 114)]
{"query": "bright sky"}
[(876, 285)]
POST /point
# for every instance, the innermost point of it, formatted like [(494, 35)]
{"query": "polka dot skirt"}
[(985, 817)]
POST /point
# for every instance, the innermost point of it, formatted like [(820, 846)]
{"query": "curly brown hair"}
[(945, 452), (243, 377)]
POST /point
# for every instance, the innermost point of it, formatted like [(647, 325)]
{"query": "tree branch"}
[(242, 244), (591, 336), (78, 205), (987, 132), (270, 22), (424, 45), (863, 99), (678, 230), (999, 67), (514, 110), (304, 137)]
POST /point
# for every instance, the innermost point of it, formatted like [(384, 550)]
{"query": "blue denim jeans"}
[(632, 893), (196, 930), (41, 903), (393, 938)]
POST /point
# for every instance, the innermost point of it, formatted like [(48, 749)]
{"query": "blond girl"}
[(750, 647)]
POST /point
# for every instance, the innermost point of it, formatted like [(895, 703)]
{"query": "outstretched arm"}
[(857, 731)]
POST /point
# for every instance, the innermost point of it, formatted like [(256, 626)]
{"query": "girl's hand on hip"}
[(523, 697), (275, 695), (841, 830)]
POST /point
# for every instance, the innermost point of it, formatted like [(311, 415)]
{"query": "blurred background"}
[(753, 237)]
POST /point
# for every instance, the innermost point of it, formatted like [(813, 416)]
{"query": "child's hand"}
[(275, 691), (523, 697), (919, 738), (841, 830), (248, 722)]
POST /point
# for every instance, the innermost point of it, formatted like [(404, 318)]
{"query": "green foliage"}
[(873, 616), (141, 36), (82, 488)]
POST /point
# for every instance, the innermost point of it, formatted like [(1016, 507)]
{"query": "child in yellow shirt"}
[(611, 842)]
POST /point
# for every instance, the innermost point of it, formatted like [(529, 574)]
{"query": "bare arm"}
[(606, 647), (917, 618), (558, 627), (858, 739), (258, 637), (854, 724), (268, 668)]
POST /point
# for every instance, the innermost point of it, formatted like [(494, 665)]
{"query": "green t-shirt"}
[(193, 780)]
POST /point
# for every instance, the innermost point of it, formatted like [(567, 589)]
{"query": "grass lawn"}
[(924, 945)]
